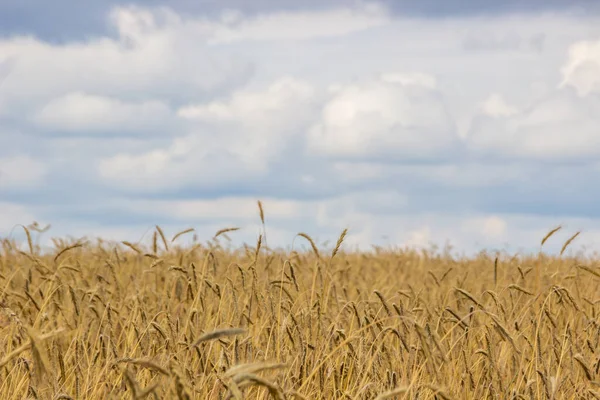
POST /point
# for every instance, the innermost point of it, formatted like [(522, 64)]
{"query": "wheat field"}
[(102, 320)]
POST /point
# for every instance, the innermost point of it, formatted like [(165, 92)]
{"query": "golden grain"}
[(178, 234), (95, 322), (312, 243), (552, 232), (568, 242), (225, 230), (339, 243)]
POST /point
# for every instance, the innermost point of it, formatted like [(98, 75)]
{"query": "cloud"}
[(490, 227), (562, 126), (239, 138), (293, 25), (239, 209), (79, 113), (398, 116), (405, 130), (256, 125), (496, 106), (12, 214), (151, 56), (453, 174), (395, 116), (485, 40), (48, 21), (21, 172), (582, 69)]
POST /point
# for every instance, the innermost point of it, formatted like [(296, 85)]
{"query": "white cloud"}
[(254, 106), (393, 116), (477, 174), (155, 53), (238, 137), (294, 138), (300, 24), (224, 208), (496, 106), (582, 69), (492, 227), (483, 39), (420, 238), (408, 79), (256, 126), (83, 113), (12, 214), (21, 172), (561, 126)]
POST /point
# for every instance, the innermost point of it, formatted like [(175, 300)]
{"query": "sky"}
[(469, 124)]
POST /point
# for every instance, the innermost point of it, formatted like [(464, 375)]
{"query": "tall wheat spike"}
[(312, 243), (178, 234), (568, 242), (225, 230), (552, 232), (339, 243)]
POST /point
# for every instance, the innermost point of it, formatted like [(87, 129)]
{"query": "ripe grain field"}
[(100, 320)]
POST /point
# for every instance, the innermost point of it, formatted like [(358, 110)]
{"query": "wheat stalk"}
[(552, 232), (568, 242)]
